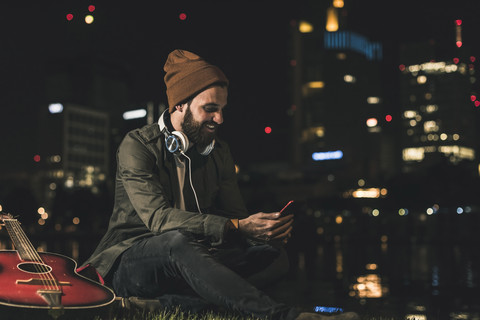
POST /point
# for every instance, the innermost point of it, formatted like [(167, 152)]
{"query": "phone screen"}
[(285, 210)]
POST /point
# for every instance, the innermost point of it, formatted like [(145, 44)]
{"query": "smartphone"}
[(287, 209)]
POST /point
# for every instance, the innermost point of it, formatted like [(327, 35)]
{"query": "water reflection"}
[(387, 280), (368, 286), (394, 280)]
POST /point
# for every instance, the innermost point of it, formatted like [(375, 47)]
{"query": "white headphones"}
[(177, 141)]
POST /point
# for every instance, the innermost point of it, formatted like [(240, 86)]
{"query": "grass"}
[(178, 314)]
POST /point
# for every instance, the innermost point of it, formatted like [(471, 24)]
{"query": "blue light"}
[(354, 42), (55, 108), (327, 309), (329, 155)]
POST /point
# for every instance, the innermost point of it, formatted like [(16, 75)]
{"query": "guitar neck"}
[(20, 241)]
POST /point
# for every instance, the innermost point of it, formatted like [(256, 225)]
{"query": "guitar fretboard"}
[(23, 246)]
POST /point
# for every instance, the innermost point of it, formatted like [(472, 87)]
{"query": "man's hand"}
[(267, 227)]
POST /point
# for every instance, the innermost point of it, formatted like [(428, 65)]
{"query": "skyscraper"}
[(439, 107), (338, 109)]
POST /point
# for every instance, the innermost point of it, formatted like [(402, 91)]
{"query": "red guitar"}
[(32, 279)]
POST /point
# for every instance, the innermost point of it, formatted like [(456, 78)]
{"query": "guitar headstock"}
[(4, 215)]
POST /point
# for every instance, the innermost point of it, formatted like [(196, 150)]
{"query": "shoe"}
[(316, 316)]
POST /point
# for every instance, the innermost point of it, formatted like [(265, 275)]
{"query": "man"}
[(179, 231)]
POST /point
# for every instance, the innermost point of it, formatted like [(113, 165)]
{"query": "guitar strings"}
[(25, 248), (16, 233), (40, 266)]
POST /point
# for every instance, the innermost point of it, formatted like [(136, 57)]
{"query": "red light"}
[(473, 97), (472, 59), (388, 118), (268, 130), (401, 67), (182, 16), (456, 60), (458, 22), (36, 158), (91, 8), (459, 43), (69, 17), (477, 103)]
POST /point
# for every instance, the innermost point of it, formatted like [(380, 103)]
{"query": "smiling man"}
[(179, 233)]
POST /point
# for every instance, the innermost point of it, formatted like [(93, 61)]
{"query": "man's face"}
[(204, 115)]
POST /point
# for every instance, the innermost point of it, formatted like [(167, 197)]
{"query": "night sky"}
[(247, 39)]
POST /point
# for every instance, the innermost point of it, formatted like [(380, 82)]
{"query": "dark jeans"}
[(174, 264)]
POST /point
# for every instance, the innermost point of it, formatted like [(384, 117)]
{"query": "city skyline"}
[(249, 40)]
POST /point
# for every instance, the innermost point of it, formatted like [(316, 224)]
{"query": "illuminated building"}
[(74, 150), (438, 109), (341, 122)]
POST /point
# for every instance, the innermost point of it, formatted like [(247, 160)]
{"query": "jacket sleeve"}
[(138, 172), (229, 200)]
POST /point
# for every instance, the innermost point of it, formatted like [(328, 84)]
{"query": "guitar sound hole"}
[(34, 267)]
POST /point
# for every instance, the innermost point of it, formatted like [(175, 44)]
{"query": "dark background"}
[(248, 39)]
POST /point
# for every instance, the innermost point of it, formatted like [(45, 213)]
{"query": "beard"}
[(196, 131)]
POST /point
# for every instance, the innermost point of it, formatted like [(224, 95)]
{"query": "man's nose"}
[(218, 117)]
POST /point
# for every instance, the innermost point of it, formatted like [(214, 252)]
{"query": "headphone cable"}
[(190, 178)]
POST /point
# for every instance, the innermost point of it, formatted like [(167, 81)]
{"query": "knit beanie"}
[(188, 74)]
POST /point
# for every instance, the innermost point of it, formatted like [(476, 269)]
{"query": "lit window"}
[(459, 152), (316, 84), (414, 68), (320, 131), (409, 114), (413, 154), (338, 3), (430, 126), (421, 79), (89, 19), (328, 155), (332, 20), (134, 114), (372, 122), (349, 78), (366, 193), (55, 108), (305, 27), (373, 100), (431, 108)]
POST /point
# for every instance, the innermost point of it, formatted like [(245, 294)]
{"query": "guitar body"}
[(23, 284)]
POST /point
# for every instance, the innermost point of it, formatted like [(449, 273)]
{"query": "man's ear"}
[(179, 108)]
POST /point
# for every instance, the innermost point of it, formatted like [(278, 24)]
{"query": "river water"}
[(390, 278)]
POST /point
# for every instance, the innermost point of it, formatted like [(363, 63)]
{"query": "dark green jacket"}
[(146, 187)]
